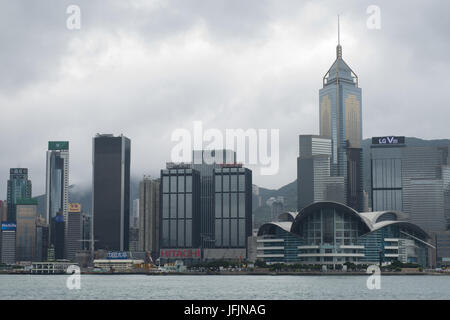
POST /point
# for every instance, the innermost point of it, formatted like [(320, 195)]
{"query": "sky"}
[(144, 68)]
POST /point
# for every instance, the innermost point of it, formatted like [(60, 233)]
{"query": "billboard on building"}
[(9, 226), (74, 207), (389, 140), (117, 255), (181, 253), (58, 145), (18, 171)]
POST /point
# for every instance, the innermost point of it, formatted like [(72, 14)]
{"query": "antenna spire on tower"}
[(339, 31), (339, 48)]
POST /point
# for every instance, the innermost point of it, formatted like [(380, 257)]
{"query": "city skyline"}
[(272, 70)]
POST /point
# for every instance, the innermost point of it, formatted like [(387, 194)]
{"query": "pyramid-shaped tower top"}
[(340, 71)]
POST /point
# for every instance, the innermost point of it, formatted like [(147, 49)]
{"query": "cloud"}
[(145, 68)]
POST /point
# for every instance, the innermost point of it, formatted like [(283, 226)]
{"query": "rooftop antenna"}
[(339, 48), (339, 30)]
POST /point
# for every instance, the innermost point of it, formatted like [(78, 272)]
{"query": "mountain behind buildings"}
[(261, 213)]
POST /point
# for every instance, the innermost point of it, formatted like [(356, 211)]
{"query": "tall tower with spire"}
[(341, 121)]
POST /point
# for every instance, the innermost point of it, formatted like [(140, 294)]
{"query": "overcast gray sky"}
[(147, 67)]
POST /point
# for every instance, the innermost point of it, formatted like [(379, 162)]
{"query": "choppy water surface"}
[(223, 287)]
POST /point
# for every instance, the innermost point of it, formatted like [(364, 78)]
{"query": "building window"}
[(166, 206), (234, 232), (180, 183), (188, 233), (242, 232), (241, 205), (188, 206), (218, 232), (188, 183), (233, 183), (173, 233), (226, 205), (181, 205), (241, 182), (226, 232), (233, 205), (226, 183), (181, 233), (173, 184), (173, 206), (165, 184), (218, 204), (218, 183)]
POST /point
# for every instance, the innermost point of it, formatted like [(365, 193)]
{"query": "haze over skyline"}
[(146, 68)]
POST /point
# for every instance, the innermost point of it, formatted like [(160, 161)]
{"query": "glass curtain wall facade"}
[(26, 230), (58, 236), (73, 234), (340, 116), (314, 179), (414, 180), (276, 244), (330, 236), (233, 206), (329, 233), (57, 179), (386, 171), (180, 210), (149, 209), (42, 239), (205, 162), (19, 187), (423, 186), (8, 243), (390, 244), (111, 192)]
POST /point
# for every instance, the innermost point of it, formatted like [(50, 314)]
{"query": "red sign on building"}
[(180, 253)]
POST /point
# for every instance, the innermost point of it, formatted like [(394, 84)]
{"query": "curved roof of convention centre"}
[(415, 228), (378, 216), (287, 216), (269, 228), (307, 211), (372, 221)]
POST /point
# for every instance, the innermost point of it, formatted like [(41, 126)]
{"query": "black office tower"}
[(111, 191), (57, 235), (355, 198)]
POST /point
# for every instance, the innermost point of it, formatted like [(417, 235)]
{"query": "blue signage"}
[(117, 255), (8, 226)]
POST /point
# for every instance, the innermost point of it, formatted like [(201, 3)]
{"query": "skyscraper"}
[(74, 231), (19, 187), (205, 162), (207, 206), (58, 236), (314, 179), (415, 180), (86, 231), (341, 121), (233, 206), (149, 215), (3, 211), (8, 243), (180, 213), (57, 179), (26, 210), (386, 168), (42, 239), (111, 191), (134, 217)]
